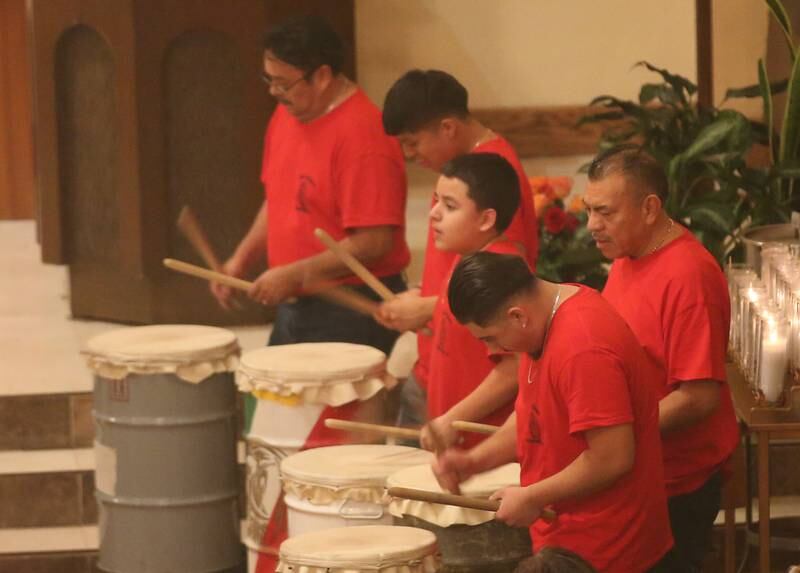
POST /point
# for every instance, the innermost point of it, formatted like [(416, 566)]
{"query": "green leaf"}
[(728, 122), (779, 12), (679, 83), (755, 90), (790, 132), (664, 93), (766, 95)]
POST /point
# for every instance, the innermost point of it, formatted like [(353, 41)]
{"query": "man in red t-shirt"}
[(327, 164), (674, 296), (475, 200), (427, 110), (585, 429)]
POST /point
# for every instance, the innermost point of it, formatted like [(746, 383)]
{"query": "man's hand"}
[(224, 294), (438, 433), (275, 285), (517, 506), (451, 468), (407, 311)]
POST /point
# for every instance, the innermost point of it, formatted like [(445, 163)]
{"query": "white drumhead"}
[(351, 465), (481, 485), (371, 547), (312, 362), (163, 343)]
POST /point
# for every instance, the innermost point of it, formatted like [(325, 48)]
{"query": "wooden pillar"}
[(144, 106), (704, 32), (17, 200)]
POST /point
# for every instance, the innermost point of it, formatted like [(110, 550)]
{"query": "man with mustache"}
[(327, 164), (674, 296)]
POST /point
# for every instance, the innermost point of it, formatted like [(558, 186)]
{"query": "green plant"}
[(713, 189)]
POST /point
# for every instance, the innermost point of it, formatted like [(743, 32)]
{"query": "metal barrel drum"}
[(340, 486), (470, 540), (295, 387), (368, 549), (166, 474)]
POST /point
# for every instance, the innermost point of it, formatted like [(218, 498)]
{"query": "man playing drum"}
[(327, 164), (674, 296), (585, 428)]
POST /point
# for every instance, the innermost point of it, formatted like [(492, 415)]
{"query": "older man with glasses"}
[(327, 163)]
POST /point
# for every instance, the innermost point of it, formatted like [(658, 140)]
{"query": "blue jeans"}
[(312, 319)]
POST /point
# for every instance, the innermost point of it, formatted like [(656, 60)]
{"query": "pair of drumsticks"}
[(431, 496), (189, 226)]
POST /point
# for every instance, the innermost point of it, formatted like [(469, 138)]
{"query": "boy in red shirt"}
[(475, 200), (585, 429), (674, 296), (428, 113)]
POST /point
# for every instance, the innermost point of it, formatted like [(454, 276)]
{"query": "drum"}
[(296, 386), (165, 448), (369, 549), (339, 486), (469, 539)]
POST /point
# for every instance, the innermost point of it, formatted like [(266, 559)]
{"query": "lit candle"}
[(773, 362)]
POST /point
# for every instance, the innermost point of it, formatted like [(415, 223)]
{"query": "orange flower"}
[(576, 204), (561, 186), (540, 202)]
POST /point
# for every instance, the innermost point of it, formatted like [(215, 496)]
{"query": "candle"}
[(772, 366)]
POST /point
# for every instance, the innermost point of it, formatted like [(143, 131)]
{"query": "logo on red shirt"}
[(306, 185), (534, 433)]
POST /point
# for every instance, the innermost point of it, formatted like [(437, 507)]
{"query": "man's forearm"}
[(498, 449), (689, 404), (497, 389), (253, 246)]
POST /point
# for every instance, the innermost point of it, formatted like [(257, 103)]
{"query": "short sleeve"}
[(371, 191), (595, 389), (696, 318)]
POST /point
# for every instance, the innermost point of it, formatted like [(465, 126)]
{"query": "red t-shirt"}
[(523, 230), (676, 302), (338, 172), (592, 374), (459, 362)]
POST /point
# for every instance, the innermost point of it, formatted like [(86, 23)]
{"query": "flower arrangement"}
[(566, 250)]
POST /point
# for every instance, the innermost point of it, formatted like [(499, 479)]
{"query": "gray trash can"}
[(165, 422)]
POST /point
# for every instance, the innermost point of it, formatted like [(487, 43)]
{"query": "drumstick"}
[(354, 265), (395, 431), (475, 427), (457, 500), (341, 296), (188, 225)]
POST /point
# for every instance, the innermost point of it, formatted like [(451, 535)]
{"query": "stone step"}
[(46, 421)]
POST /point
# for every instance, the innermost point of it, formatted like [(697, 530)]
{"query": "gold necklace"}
[(664, 238), (546, 328)]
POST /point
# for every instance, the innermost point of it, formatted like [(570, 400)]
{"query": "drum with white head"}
[(369, 549), (165, 448), (338, 486), (294, 385), (470, 540)]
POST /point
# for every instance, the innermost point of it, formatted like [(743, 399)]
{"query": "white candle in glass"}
[(772, 367)]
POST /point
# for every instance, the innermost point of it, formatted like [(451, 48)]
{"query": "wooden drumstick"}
[(474, 427), (456, 500), (340, 295), (395, 431), (354, 265), (188, 225)]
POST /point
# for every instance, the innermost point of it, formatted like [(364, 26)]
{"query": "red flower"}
[(555, 220), (571, 223)]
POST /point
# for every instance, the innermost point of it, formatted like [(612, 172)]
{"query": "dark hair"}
[(633, 163), (420, 97), (306, 42), (483, 282), (554, 560), (491, 183)]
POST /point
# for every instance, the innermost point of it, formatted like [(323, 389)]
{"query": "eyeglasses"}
[(284, 89)]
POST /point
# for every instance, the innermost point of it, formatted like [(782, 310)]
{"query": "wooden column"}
[(17, 200), (144, 106)]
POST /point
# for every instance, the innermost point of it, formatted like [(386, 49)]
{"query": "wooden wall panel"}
[(17, 198)]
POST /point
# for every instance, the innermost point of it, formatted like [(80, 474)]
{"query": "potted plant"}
[(714, 191)]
